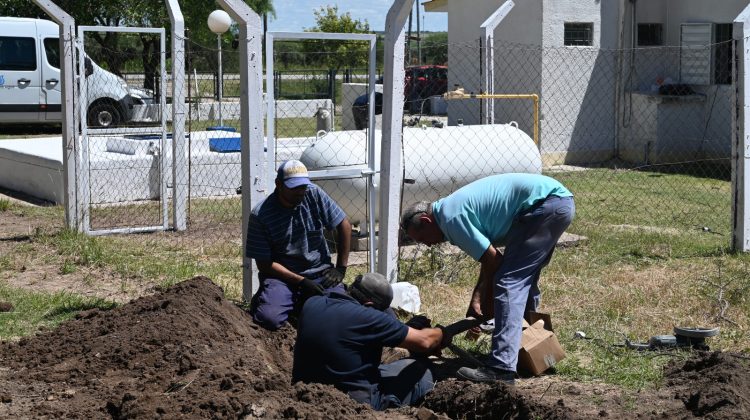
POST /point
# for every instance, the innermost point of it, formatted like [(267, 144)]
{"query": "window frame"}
[(56, 43), (34, 54), (586, 28), (659, 35)]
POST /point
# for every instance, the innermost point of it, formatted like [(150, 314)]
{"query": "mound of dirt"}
[(185, 352), (713, 385), (189, 352)]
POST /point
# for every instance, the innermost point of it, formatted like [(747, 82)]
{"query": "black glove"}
[(447, 338), (309, 288), (332, 277), (419, 322)]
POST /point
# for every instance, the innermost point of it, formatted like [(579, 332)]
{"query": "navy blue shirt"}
[(294, 237), (340, 342)]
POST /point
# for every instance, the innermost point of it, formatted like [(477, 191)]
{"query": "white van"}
[(30, 79)]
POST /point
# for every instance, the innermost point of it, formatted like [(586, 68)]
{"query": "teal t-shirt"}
[(481, 213)]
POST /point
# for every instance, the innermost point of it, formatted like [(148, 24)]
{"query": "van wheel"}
[(103, 115)]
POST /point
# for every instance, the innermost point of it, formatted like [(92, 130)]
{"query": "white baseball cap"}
[(293, 173)]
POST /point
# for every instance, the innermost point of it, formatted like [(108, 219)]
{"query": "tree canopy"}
[(337, 54)]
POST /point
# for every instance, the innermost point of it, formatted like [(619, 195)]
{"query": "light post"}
[(219, 22)]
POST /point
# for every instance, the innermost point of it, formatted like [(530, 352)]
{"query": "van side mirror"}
[(88, 67)]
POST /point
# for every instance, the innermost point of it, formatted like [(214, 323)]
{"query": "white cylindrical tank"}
[(437, 161)]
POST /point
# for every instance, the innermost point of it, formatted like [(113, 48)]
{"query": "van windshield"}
[(52, 51), (17, 53)]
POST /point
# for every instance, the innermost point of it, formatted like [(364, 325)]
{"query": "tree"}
[(335, 54), (435, 48), (147, 13)]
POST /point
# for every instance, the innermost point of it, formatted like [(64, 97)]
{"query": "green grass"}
[(647, 265), (33, 311), (4, 204)]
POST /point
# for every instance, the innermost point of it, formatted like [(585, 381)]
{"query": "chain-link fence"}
[(641, 136), (122, 179), (623, 129)]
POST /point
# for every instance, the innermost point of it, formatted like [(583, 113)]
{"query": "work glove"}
[(309, 288), (447, 338), (332, 277), (419, 322)]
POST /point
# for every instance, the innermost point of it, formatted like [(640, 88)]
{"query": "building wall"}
[(521, 26), (579, 83), (710, 118), (586, 92)]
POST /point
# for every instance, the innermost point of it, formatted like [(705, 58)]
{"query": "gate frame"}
[(371, 170), (84, 164)]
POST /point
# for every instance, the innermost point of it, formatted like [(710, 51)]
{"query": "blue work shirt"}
[(294, 237), (340, 342), (480, 214)]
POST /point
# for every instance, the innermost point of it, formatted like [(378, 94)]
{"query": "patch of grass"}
[(647, 265), (4, 204), (33, 311)]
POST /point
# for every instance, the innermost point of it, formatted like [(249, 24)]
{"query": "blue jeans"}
[(529, 246), (275, 301), (403, 382)]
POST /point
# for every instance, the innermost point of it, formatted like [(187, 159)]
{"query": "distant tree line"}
[(121, 53)]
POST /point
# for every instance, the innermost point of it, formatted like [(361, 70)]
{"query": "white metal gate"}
[(124, 151), (368, 169)]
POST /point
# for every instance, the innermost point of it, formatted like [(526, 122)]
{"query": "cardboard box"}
[(540, 349)]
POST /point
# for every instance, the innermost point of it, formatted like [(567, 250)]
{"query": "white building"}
[(600, 95)]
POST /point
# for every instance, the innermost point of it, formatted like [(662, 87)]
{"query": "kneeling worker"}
[(340, 340)]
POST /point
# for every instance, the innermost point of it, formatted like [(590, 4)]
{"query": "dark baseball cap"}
[(372, 287)]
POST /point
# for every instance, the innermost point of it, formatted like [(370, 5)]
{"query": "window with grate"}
[(650, 34), (579, 34), (722, 53)]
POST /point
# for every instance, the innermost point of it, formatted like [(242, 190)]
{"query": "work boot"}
[(487, 374)]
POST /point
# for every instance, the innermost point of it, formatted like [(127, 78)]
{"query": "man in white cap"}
[(340, 340), (285, 238)]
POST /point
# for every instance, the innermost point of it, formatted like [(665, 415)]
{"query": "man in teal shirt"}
[(527, 213)]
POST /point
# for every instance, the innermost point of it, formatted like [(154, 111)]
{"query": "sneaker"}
[(487, 374)]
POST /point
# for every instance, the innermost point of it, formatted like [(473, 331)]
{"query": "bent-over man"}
[(525, 212)]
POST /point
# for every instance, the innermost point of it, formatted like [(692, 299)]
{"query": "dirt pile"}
[(185, 352), (189, 352), (713, 385)]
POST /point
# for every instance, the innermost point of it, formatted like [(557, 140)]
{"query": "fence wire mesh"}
[(641, 136), (621, 128), (124, 144), (319, 86)]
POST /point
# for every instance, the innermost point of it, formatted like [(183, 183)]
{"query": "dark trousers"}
[(275, 301), (403, 382)]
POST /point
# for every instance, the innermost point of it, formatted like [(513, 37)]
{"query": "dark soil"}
[(189, 352)]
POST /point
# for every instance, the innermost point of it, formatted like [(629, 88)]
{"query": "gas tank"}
[(437, 161)]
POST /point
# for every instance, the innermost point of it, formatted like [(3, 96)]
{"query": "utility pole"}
[(419, 37), (408, 39)]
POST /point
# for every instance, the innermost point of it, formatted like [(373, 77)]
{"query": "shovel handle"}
[(463, 325)]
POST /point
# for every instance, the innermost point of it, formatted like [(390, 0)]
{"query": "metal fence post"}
[(488, 58), (390, 158), (741, 136), (73, 214), (179, 153), (251, 132)]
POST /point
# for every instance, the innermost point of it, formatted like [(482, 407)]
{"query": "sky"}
[(297, 15)]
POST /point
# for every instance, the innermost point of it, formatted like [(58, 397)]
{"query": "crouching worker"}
[(340, 340), (285, 238)]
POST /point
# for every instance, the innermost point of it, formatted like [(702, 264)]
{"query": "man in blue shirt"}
[(285, 238), (340, 340), (527, 213)]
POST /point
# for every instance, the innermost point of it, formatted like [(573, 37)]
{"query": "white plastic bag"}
[(406, 297)]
